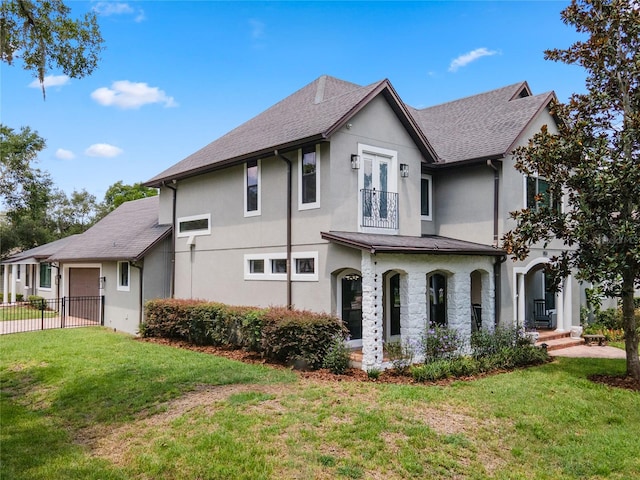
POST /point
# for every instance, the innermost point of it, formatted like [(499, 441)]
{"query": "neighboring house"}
[(341, 198), (31, 273), (125, 258)]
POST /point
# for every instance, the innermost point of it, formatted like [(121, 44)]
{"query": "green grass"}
[(88, 403), (19, 312)]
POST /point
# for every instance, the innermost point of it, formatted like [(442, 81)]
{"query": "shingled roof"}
[(39, 253), (311, 114), (432, 244), (482, 126), (127, 233)]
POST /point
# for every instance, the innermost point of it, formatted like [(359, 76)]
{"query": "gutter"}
[(140, 295), (173, 238), (289, 179)]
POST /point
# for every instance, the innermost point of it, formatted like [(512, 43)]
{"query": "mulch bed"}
[(356, 374)]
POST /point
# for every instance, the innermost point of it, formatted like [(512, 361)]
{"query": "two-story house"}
[(341, 198)]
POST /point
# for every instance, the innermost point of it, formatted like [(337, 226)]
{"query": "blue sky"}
[(176, 75)]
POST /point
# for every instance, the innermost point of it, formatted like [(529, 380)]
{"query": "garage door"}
[(84, 293)]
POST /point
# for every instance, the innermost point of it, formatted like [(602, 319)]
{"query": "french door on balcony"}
[(378, 198)]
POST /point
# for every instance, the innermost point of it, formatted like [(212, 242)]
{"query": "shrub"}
[(289, 335), (463, 367), (440, 343), (373, 373), (484, 343), (19, 297), (37, 302), (429, 372), (610, 319), (401, 354), (338, 356)]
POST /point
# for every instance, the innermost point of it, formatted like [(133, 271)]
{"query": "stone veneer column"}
[(414, 326), (459, 303), (488, 302), (372, 286)]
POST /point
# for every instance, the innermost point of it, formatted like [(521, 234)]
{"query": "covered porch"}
[(405, 283)]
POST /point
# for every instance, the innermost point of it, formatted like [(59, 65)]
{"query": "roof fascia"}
[(153, 244), (517, 94), (399, 109), (462, 163), (239, 160), (551, 96)]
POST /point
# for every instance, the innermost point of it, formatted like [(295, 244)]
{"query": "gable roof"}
[(39, 253), (309, 115), (481, 126), (432, 244), (127, 233)]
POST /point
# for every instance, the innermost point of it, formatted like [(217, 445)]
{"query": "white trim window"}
[(537, 194), (45, 275), (194, 225), (309, 177), (252, 188), (124, 276), (273, 266), (426, 197)]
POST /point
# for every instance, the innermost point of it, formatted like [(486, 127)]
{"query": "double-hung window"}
[(252, 188), (45, 275), (426, 197), (309, 177)]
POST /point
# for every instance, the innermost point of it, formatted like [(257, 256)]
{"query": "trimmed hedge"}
[(276, 333)]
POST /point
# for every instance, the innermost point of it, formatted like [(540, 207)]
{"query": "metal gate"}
[(43, 314)]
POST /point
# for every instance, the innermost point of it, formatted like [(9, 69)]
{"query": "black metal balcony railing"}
[(379, 209)]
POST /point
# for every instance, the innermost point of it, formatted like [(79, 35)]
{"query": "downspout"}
[(173, 238), (288, 162), (140, 295), (497, 266)]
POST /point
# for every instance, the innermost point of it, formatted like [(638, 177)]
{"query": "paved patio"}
[(586, 351)]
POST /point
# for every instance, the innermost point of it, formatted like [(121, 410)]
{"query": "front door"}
[(351, 305)]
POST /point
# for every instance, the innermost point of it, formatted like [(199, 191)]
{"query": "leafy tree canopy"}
[(118, 193), (44, 36), (593, 160)]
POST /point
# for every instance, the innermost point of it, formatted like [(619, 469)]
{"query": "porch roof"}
[(34, 255), (428, 244)]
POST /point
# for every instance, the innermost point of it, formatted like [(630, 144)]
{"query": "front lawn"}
[(92, 404), (24, 312)]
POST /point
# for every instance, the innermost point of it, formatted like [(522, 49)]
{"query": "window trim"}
[(40, 285), (537, 178), (193, 233), (429, 179), (257, 212), (268, 270), (120, 287), (310, 205)]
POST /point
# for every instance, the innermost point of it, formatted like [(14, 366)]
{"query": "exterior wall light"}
[(355, 162), (404, 170)]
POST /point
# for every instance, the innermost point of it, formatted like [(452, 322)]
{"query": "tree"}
[(118, 193), (46, 38), (72, 214), (594, 162)]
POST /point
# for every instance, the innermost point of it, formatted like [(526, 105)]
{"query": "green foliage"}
[(439, 342), (373, 373), (337, 357), (47, 38), (118, 193), (289, 335), (432, 371), (484, 343), (278, 333), (36, 301)]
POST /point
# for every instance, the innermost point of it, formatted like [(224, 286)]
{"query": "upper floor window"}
[(124, 276), (252, 188), (309, 177), (45, 275), (194, 225), (426, 197), (539, 196)]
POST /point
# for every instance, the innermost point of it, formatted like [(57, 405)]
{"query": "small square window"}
[(256, 266), (279, 265), (305, 266)]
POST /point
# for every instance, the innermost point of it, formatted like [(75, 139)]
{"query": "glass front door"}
[(351, 297)]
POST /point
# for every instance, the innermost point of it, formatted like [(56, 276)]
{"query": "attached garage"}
[(84, 293)]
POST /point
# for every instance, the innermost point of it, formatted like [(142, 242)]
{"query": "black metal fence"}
[(43, 314)]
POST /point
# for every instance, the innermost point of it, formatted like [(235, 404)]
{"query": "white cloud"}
[(51, 81), (469, 57), (257, 28), (118, 8), (125, 94), (103, 150), (63, 154)]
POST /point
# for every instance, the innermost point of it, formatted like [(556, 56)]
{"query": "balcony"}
[(379, 209)]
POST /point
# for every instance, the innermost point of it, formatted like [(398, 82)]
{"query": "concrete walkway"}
[(586, 351)]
